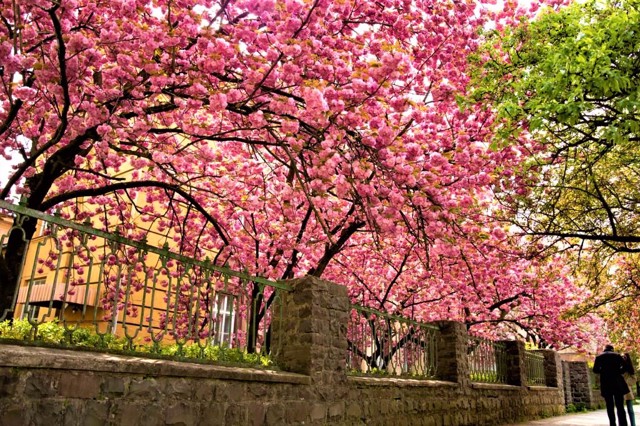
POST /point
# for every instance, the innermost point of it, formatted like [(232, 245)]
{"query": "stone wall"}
[(580, 389), (40, 386)]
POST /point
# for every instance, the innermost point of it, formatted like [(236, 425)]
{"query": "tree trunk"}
[(11, 261), (254, 318)]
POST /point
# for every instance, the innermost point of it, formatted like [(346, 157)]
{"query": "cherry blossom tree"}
[(289, 138)]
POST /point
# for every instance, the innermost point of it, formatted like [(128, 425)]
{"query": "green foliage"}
[(570, 81), (19, 330), (52, 333), (576, 408), (376, 372), (87, 338), (555, 71), (381, 372), (484, 377), (219, 354)]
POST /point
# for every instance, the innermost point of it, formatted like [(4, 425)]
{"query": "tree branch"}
[(49, 203)]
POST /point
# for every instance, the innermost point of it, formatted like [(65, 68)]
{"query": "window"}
[(38, 292), (37, 281), (30, 312), (225, 319)]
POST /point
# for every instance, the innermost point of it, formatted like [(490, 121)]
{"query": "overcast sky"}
[(5, 170)]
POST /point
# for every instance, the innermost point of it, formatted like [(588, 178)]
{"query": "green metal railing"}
[(80, 277), (380, 343), (487, 360), (534, 364)]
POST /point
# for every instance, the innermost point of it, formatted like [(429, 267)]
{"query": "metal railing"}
[(534, 365), (487, 360), (148, 297), (380, 343)]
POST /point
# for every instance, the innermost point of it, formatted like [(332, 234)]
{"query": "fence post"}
[(310, 336), (515, 363), (552, 368), (581, 381), (452, 359), (566, 384)]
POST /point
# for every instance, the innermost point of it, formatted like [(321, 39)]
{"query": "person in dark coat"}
[(629, 377), (610, 366)]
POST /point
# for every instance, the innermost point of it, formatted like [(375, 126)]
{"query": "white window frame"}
[(37, 281), (225, 319), (30, 312)]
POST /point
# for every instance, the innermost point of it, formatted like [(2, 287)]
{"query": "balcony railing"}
[(79, 276), (379, 343), (55, 294)]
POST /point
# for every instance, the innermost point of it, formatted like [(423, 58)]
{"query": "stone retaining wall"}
[(40, 386)]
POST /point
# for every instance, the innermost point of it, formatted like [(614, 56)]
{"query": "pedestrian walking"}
[(629, 377), (610, 366)]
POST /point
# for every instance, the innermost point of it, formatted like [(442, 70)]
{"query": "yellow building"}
[(80, 276), (5, 223)]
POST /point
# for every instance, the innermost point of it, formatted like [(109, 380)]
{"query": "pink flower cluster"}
[(281, 138)]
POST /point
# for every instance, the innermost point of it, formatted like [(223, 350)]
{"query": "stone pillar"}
[(582, 392), (516, 371), (595, 397), (566, 380), (553, 376), (452, 359), (310, 330)]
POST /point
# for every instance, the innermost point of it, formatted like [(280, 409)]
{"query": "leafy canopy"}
[(570, 82), (283, 138)]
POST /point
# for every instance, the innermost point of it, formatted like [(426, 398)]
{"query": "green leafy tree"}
[(570, 81)]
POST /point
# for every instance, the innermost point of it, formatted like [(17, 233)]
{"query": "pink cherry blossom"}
[(316, 137)]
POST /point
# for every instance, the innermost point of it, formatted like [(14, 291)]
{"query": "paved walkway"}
[(592, 418)]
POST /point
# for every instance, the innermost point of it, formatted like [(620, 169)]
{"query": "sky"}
[(5, 170)]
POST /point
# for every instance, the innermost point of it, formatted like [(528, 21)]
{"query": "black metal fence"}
[(379, 343)]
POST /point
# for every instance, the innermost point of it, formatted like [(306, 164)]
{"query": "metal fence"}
[(98, 285), (380, 343), (487, 360), (534, 365)]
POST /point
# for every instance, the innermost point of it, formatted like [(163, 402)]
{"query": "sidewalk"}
[(592, 418)]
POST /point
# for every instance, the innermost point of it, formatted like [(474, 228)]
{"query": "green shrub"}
[(221, 354), (52, 333), (19, 330), (83, 337), (576, 408)]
